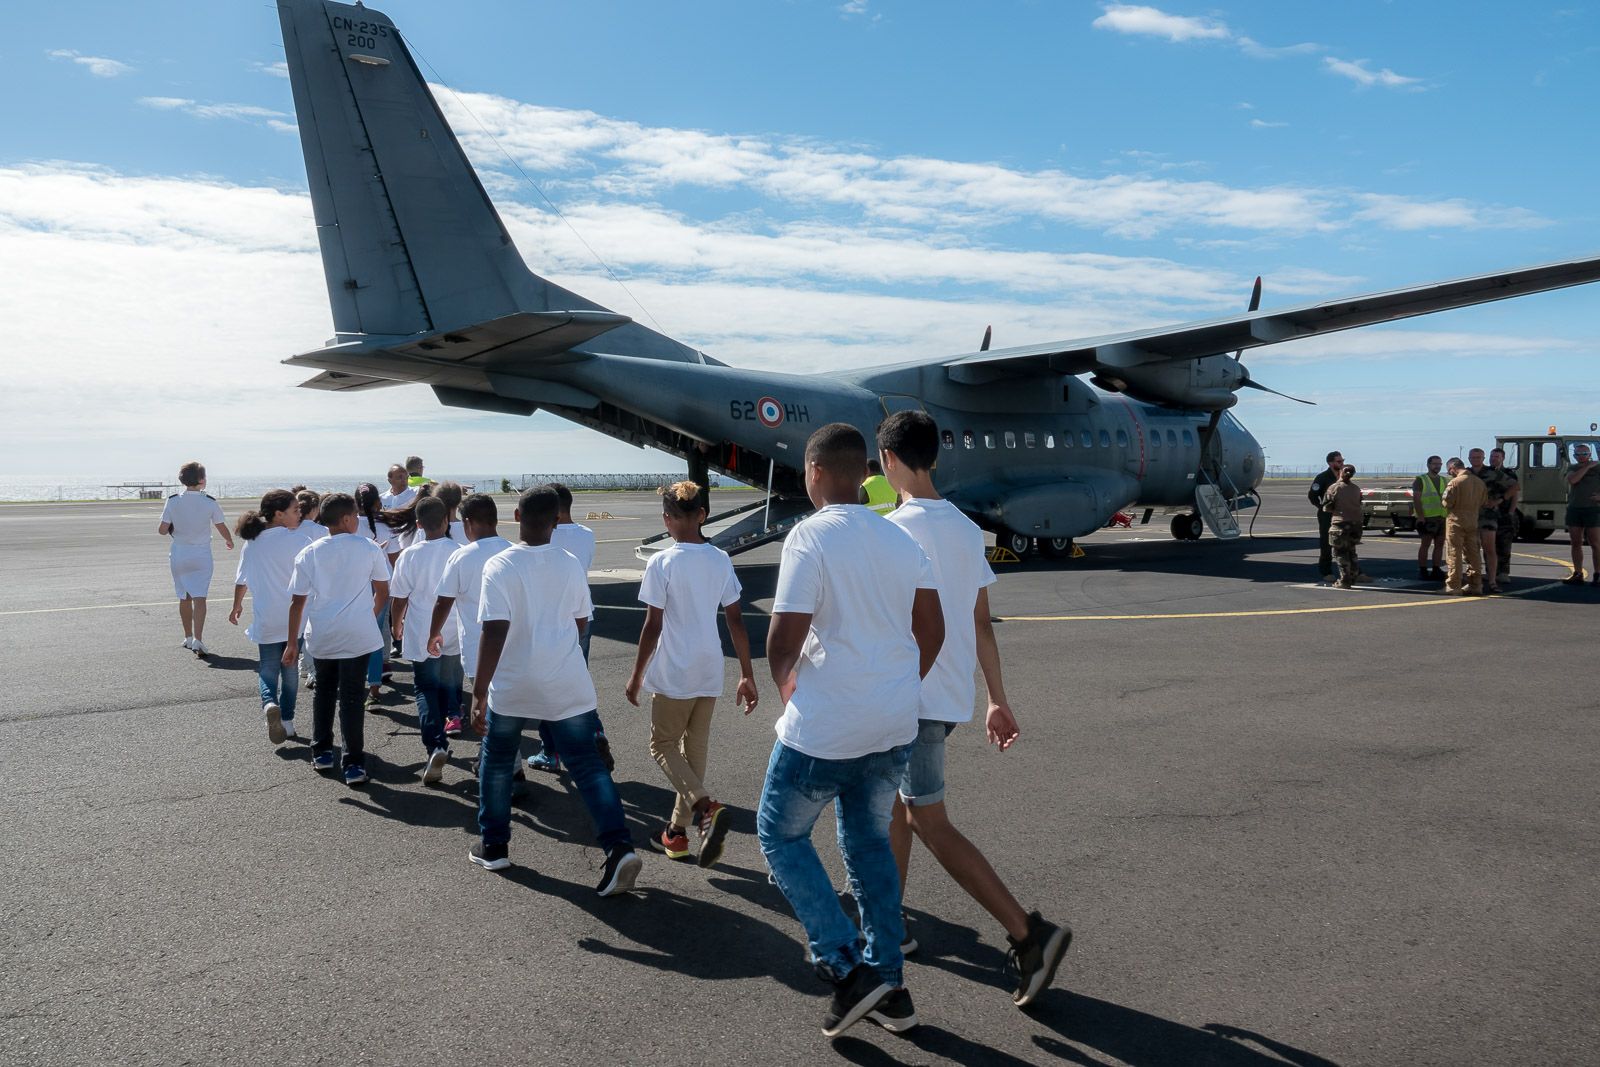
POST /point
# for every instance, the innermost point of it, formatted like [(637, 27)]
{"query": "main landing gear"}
[(1187, 527), (1024, 545)]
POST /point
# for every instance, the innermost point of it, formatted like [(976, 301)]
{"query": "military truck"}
[(1541, 462)]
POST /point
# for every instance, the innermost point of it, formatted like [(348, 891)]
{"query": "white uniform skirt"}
[(191, 570)]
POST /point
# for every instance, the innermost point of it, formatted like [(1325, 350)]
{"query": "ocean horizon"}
[(27, 488)]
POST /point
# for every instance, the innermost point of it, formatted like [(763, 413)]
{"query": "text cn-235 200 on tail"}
[(1042, 443)]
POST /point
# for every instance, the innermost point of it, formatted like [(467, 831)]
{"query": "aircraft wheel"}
[(1057, 547), (1187, 527), (1021, 544)]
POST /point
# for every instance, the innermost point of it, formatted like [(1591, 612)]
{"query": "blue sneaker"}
[(545, 761), (355, 774), (323, 761)]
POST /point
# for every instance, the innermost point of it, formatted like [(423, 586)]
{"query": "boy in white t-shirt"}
[(461, 585), (680, 662), (272, 539), (856, 623), (437, 675), (908, 445), (339, 587), (580, 541), (535, 604), (188, 518)]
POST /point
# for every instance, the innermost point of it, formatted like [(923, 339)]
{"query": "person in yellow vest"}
[(414, 475), (1463, 500), (876, 492), (1427, 505)]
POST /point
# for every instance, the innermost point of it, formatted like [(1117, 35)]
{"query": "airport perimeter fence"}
[(605, 482), (1375, 470)]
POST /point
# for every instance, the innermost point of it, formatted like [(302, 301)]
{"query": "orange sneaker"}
[(672, 841)]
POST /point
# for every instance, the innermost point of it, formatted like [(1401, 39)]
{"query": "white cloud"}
[(280, 69), (629, 161), (1403, 213), (237, 112), (99, 66), (1356, 71), (1263, 124), (1139, 20)]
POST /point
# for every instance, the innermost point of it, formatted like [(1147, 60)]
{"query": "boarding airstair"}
[(1213, 507), (742, 528)]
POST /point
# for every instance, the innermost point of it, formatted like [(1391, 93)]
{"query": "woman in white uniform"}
[(188, 518)]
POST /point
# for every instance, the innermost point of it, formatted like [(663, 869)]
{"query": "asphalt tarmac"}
[(1289, 823)]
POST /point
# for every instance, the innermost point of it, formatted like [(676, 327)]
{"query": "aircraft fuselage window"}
[(966, 439), (1049, 440), (1088, 439), (1011, 439), (1172, 439), (988, 440), (1188, 438), (1030, 441), (1122, 438), (1155, 440), (1105, 439), (1066, 439), (948, 438)]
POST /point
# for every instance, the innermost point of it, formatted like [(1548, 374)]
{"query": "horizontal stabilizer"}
[(339, 382)]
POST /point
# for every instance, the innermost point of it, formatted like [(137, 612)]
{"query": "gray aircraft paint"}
[(426, 287)]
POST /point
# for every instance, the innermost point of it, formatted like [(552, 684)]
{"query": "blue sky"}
[(817, 185)]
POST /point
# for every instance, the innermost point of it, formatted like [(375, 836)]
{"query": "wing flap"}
[(340, 382)]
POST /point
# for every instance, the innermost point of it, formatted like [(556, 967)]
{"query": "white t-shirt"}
[(458, 532), (313, 530), (856, 574), (463, 580), (379, 533), (192, 515), (955, 546), (542, 592), (265, 567), (398, 500), (335, 574), (578, 540), (689, 583), (416, 577)]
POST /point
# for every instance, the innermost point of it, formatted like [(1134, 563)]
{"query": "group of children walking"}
[(878, 627)]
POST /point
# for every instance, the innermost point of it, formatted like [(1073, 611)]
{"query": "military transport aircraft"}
[(426, 287)]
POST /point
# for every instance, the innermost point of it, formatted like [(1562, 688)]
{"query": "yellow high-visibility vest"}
[(881, 496), (1432, 499)]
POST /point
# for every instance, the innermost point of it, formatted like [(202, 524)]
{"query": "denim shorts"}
[(1582, 518), (923, 780)]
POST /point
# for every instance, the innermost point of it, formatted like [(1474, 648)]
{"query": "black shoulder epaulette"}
[(211, 498), (171, 495)]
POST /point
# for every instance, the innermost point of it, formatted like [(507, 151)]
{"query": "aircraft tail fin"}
[(410, 240)]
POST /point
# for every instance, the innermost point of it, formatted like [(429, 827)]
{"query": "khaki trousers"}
[(679, 733), (1464, 554)]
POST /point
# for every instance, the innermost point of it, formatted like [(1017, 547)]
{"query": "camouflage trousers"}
[(1342, 541)]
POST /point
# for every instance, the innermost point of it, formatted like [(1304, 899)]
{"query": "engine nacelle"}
[(1207, 384)]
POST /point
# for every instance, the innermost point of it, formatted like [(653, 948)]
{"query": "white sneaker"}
[(435, 768), (199, 648), (275, 731), (288, 731), (188, 642)]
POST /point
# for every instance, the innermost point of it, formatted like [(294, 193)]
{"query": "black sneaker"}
[(489, 857), (1575, 578), (603, 746), (622, 870), (908, 944), (1036, 957), (895, 1012), (860, 992)]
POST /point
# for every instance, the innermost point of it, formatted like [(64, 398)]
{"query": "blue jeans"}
[(375, 662), (797, 789), (574, 738), (546, 740), (278, 686), (435, 699)]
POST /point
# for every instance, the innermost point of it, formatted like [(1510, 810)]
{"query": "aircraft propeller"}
[(988, 335), (1250, 383)]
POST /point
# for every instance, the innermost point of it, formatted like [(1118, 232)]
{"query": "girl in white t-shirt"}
[(272, 538), (680, 662)]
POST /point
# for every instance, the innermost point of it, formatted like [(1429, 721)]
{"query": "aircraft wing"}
[(1195, 340), (338, 382)]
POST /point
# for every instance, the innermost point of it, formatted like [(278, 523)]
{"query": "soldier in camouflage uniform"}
[(1499, 487), (1510, 518), (1342, 502)]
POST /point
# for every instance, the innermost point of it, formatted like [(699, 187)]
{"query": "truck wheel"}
[(1057, 547), (1021, 544)]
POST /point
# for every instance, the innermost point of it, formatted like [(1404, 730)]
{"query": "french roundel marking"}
[(770, 412)]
